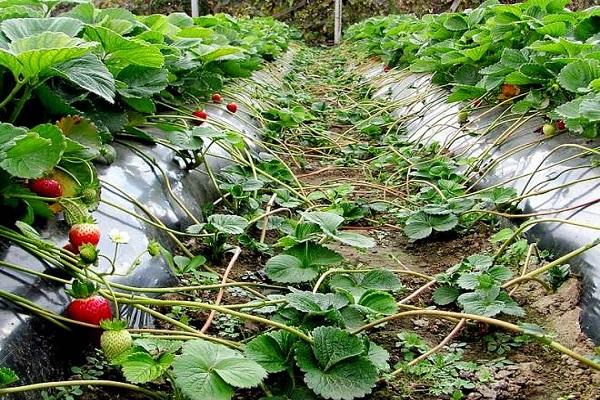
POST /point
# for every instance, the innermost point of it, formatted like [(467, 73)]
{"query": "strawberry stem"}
[(49, 385)]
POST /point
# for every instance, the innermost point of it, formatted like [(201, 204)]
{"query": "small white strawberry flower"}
[(118, 236)]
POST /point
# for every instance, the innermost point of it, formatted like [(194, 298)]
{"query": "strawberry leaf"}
[(273, 350), (206, 370), (336, 366), (7, 377)]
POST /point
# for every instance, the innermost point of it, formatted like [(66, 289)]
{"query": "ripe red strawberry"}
[(46, 187), (509, 90), (560, 124), (232, 107), (87, 306), (85, 233), (200, 114), (387, 68), (217, 98)]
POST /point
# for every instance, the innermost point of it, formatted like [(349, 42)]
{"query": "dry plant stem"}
[(49, 385), (557, 148), (263, 233), (139, 302), (526, 225), (555, 263), (211, 316), (418, 292), (528, 258), (491, 321), (440, 346), (190, 335)]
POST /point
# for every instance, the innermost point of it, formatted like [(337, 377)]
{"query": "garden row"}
[(281, 291), (536, 55)]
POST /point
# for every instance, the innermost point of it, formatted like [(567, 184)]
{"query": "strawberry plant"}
[(219, 227), (536, 53)]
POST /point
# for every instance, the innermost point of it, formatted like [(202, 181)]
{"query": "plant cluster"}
[(538, 55)]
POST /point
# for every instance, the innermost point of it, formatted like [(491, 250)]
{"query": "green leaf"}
[(142, 81), (289, 269), (158, 346), (502, 235), (35, 153), (7, 377), (273, 350), (465, 92), (217, 53), (328, 221), (379, 302), (378, 356), (535, 330), (19, 28), (333, 345), (316, 303), (477, 53), (554, 29), (420, 225), (480, 261), (229, 224), (82, 131), (313, 254), (9, 134), (207, 370), (335, 367), (456, 22), (300, 263), (445, 295), (577, 76), (358, 284), (590, 108), (354, 239), (587, 28), (35, 55), (141, 367), (121, 52), (89, 73), (489, 303), (468, 281)]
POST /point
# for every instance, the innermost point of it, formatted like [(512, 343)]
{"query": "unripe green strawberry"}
[(116, 339), (549, 129), (153, 248), (463, 117), (89, 195), (88, 253)]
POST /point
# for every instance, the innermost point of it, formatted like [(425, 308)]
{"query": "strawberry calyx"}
[(82, 289), (113, 324)]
